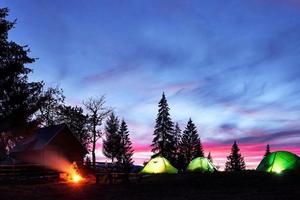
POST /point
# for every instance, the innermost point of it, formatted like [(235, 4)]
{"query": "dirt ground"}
[(233, 186)]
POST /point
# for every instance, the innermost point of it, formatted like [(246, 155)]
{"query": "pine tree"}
[(198, 149), (163, 143), (111, 144), (235, 161), (267, 150), (209, 157), (177, 137), (19, 98), (190, 145), (126, 150)]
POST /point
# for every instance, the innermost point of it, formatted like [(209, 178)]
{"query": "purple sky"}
[(232, 66)]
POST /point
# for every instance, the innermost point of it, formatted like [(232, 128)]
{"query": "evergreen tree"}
[(235, 161), (125, 151), (19, 98), (190, 145), (77, 122), (177, 137), (163, 143), (209, 157), (198, 149), (267, 150), (112, 141)]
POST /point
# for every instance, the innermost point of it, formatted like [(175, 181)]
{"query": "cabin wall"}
[(29, 157)]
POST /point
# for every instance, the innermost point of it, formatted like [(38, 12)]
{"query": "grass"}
[(241, 186)]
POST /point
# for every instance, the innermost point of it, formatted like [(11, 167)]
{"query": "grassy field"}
[(233, 186)]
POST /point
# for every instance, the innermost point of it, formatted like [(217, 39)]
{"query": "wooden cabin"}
[(47, 143)]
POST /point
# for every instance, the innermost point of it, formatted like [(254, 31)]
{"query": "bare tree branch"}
[(97, 112)]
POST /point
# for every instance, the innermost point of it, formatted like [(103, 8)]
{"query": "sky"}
[(232, 66)]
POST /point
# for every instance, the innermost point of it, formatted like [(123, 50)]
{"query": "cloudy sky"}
[(232, 66)]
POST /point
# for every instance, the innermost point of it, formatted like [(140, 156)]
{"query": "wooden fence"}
[(108, 173), (26, 173), (29, 173)]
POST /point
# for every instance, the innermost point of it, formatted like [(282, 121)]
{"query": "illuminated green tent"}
[(201, 164), (279, 161), (159, 165)]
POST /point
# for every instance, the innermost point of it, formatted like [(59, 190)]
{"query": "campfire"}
[(72, 174)]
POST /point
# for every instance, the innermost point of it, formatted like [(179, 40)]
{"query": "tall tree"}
[(19, 98), (126, 150), (209, 157), (177, 139), (49, 111), (111, 143), (97, 112), (235, 161), (267, 150), (77, 122), (190, 145), (163, 143)]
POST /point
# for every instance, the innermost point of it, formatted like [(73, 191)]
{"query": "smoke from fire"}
[(51, 160)]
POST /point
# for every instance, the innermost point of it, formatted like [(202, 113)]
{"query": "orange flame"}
[(74, 175)]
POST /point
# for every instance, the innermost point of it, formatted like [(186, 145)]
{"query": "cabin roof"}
[(41, 138)]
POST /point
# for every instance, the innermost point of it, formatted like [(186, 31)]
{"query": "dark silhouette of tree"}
[(177, 137), (209, 157), (49, 111), (235, 161), (54, 111), (198, 150), (267, 150), (19, 98), (97, 112), (77, 122), (126, 150), (163, 143), (111, 143), (190, 145)]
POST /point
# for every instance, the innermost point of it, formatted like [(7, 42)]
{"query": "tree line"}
[(182, 147)]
